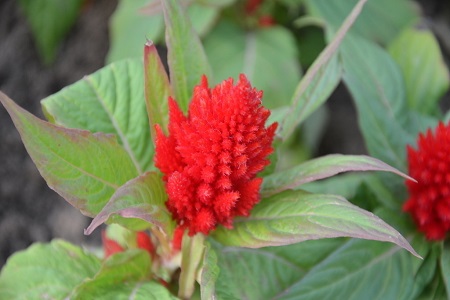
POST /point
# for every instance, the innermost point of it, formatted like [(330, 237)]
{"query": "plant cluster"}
[(192, 171)]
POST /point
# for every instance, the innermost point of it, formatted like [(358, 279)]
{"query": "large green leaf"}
[(380, 21), (357, 270), (294, 216), (265, 56), (142, 198), (123, 276), (110, 101), (377, 87), (265, 272), (50, 21), (129, 28), (426, 75), (84, 168), (186, 57), (320, 168), (46, 271)]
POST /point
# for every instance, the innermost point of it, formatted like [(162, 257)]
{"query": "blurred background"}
[(35, 63)]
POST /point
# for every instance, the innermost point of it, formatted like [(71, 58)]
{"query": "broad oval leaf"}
[(353, 272), (265, 56), (110, 100), (294, 216), (426, 76), (142, 198), (130, 269), (376, 85), (322, 167), (266, 271), (380, 20), (50, 20), (129, 27), (84, 168), (186, 57), (46, 271)]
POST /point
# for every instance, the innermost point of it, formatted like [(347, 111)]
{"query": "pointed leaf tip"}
[(141, 198), (84, 168)]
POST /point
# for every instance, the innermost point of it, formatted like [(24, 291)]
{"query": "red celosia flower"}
[(429, 200), (211, 157)]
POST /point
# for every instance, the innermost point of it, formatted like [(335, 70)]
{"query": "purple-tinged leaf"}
[(322, 167), (157, 88), (84, 168), (185, 54), (295, 216), (141, 198)]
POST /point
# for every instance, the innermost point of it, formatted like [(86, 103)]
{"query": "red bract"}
[(211, 157), (429, 200)]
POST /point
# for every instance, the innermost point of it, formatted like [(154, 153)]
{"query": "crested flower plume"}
[(429, 198), (211, 157)]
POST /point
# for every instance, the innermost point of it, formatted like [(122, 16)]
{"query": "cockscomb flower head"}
[(429, 198), (212, 156)]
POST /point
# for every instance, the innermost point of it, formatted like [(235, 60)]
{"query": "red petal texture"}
[(429, 198), (212, 156)]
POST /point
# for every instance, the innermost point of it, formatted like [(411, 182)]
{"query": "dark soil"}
[(29, 210)]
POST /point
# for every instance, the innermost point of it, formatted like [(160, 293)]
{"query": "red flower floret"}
[(429, 200), (211, 157)]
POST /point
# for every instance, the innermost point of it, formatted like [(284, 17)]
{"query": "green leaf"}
[(84, 168), (357, 270), (185, 54), (203, 17), (142, 198), (46, 271), (122, 276), (50, 21), (376, 85), (294, 216), (426, 76), (320, 80), (265, 56), (110, 101), (445, 265), (210, 273), (157, 89), (265, 272), (380, 21), (320, 168), (129, 28), (137, 290)]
